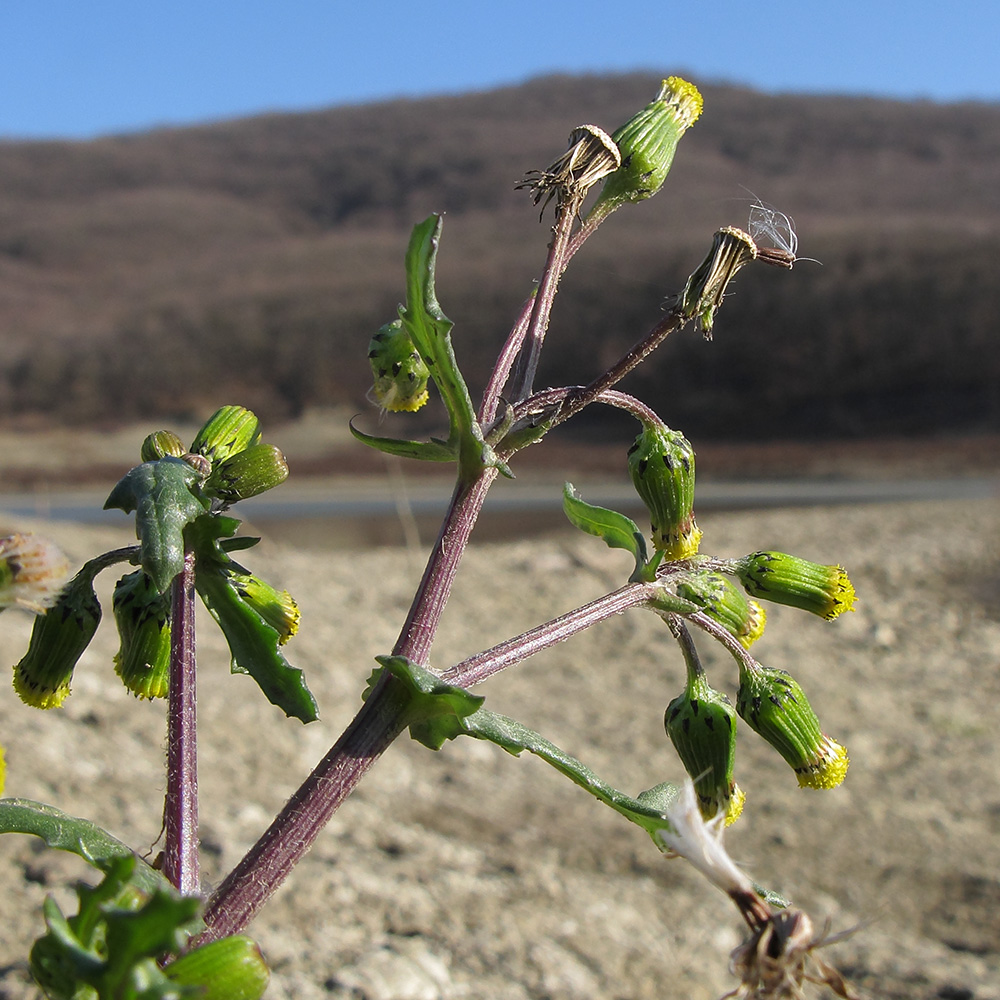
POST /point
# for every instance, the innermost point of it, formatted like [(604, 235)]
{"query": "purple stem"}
[(541, 307), (249, 885), (584, 396), (515, 339), (180, 806), (381, 719), (483, 665)]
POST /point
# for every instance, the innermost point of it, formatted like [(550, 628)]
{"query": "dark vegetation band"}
[(150, 275)]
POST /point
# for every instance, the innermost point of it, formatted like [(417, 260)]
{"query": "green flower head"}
[(825, 591), (722, 601), (647, 143), (775, 707), (143, 618), (58, 639), (661, 465)]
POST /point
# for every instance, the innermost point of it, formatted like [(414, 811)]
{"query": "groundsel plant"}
[(145, 932)]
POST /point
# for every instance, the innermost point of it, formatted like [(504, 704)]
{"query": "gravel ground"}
[(471, 874)]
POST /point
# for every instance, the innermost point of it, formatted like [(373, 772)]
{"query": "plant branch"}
[(381, 718), (515, 339), (418, 631), (377, 724), (180, 806), (491, 661), (266, 865), (584, 396), (541, 306)]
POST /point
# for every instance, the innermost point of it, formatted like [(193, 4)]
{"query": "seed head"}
[(33, 571), (591, 156)]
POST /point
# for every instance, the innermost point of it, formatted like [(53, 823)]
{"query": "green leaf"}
[(430, 331), (435, 708), (109, 948), (515, 738), (425, 451), (617, 530), (253, 643), (78, 836), (160, 494)]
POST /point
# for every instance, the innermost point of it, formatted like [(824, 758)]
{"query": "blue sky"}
[(79, 68)]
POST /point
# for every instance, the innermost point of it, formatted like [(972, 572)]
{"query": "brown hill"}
[(158, 274)]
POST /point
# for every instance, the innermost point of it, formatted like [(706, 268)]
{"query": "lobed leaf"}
[(161, 495), (253, 642)]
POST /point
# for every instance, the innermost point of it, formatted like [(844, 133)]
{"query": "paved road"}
[(375, 500)]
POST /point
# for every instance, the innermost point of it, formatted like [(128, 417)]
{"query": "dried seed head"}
[(779, 956), (591, 156), (33, 570), (731, 250)]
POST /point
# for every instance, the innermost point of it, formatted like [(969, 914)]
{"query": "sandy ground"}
[(470, 874)]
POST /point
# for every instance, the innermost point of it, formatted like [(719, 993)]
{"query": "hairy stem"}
[(515, 339), (541, 307), (180, 806), (554, 399), (380, 721), (483, 665), (418, 631), (582, 397)]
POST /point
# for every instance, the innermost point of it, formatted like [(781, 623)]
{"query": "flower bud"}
[(773, 704), (160, 444), (775, 576), (143, 618), (400, 373), (701, 724), (229, 969), (32, 572), (58, 639), (705, 289), (247, 473), (723, 602), (277, 608), (647, 143), (231, 429), (661, 464)]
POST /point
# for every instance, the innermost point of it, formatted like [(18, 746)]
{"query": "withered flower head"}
[(591, 156), (731, 250), (779, 956)]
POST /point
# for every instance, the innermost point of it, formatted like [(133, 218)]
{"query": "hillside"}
[(158, 274)]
